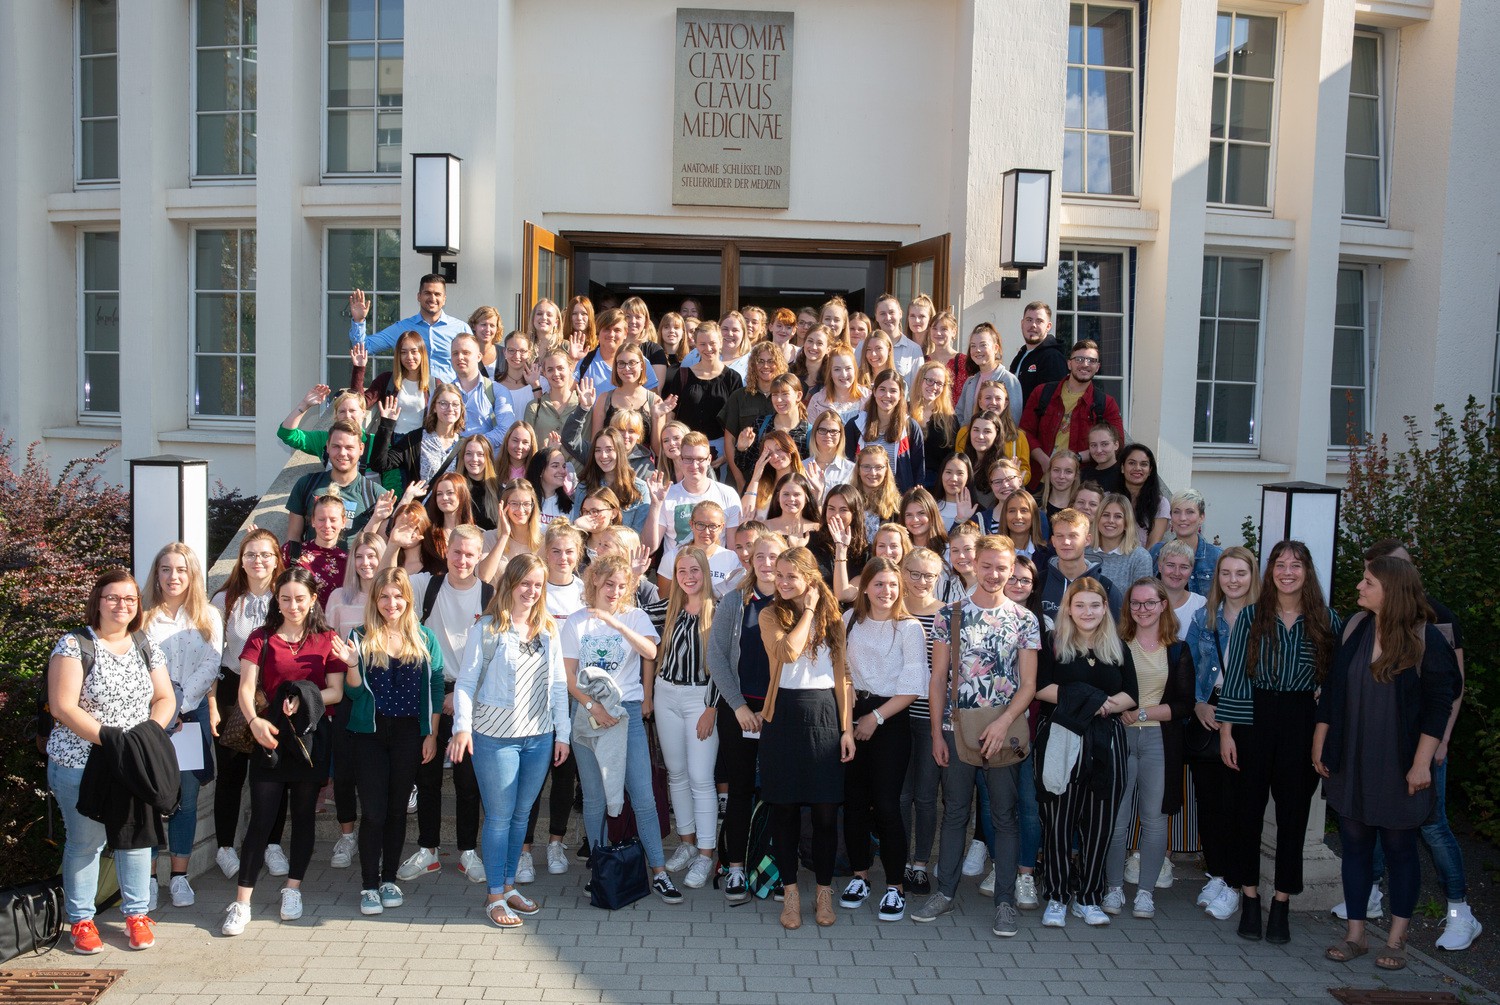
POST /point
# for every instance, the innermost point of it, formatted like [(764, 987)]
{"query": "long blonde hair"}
[(942, 405), (1070, 642), (195, 604), (600, 570), (517, 569), (413, 645), (679, 598)]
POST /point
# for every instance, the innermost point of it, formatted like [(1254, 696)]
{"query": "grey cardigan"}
[(724, 650)]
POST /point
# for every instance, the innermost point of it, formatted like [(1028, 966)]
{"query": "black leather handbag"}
[(618, 875), (31, 918)]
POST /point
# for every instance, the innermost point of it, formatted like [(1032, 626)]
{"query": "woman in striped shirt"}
[(684, 719), (1279, 651), (510, 711)]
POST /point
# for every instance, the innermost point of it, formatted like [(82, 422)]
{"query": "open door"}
[(920, 268), (546, 270)]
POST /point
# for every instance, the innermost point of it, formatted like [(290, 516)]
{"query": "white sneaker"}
[(472, 866), (699, 872), (1114, 900), (411, 801), (682, 857), (525, 868), (1133, 868), (154, 897), (291, 904), (228, 862), (1055, 916), (420, 862), (1226, 905), (1166, 877), (276, 863), (343, 851), (1374, 910), (390, 895), (975, 858), (1460, 930), (1145, 905), (1091, 914), (557, 858), (182, 892), (987, 885), (1210, 891), (235, 919), (1026, 891)]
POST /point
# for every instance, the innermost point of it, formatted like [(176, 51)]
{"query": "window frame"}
[(1136, 89), (79, 181), (357, 177), (1272, 146), (1209, 448), (1127, 318), (1382, 109), (196, 177), (1370, 306), (91, 416), (388, 356), (196, 419)]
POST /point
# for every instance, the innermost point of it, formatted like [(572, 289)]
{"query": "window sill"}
[(1246, 465), (234, 436), (101, 429)]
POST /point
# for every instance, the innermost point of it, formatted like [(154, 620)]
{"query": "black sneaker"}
[(855, 893), (917, 881), (778, 892), (584, 851), (662, 884), (892, 905), (736, 890)]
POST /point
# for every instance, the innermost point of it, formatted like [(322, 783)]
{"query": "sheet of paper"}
[(188, 742)]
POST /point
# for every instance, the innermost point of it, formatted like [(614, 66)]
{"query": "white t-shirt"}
[(592, 643), (520, 397), (562, 601), (1185, 614), (452, 616), (677, 515), (722, 565)]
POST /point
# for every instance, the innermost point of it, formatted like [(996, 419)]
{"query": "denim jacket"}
[(1206, 645), (1205, 558), (499, 688)]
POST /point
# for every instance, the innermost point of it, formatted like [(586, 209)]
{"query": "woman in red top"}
[(294, 645)]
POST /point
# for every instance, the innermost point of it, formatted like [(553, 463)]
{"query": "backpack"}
[(435, 586), (761, 874), (86, 654), (1096, 402)]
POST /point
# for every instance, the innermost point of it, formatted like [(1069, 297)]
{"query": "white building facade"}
[(1279, 217)]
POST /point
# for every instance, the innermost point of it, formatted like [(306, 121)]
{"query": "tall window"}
[(1091, 304), (366, 259), (1348, 394), (223, 323), (1244, 105), (225, 137), (364, 86), (99, 319), (1364, 142), (98, 93), (1229, 330), (1100, 120)]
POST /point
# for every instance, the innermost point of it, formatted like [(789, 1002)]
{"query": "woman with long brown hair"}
[(808, 728), (1395, 679), (609, 467), (1278, 654), (885, 422)]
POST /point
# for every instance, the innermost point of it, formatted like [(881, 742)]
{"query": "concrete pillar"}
[(1169, 277)]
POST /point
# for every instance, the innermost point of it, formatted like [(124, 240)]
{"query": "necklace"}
[(1148, 649), (295, 647)]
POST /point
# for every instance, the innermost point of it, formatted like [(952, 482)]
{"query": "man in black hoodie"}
[(1042, 359)]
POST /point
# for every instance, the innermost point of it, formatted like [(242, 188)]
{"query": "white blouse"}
[(192, 660)]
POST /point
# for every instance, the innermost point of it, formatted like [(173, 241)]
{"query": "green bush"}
[(1441, 494), (56, 536)]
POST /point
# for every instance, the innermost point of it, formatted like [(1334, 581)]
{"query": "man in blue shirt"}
[(1188, 510), (487, 409), (436, 328)]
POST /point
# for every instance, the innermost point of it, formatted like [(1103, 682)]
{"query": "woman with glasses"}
[(826, 465), (920, 572), (520, 370), (629, 394), (748, 406), (931, 407), (520, 530), (424, 453)]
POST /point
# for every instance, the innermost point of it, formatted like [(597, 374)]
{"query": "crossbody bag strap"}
[(954, 621)]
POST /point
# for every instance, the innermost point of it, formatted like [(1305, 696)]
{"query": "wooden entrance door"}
[(920, 268)]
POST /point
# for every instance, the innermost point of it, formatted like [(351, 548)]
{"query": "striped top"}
[(532, 713), (681, 662), (920, 709), (1288, 665)]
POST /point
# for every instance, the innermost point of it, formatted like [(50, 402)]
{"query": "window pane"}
[(96, 27), (1201, 408), (1349, 299), (100, 155), (97, 86), (351, 76), (1223, 42), (1247, 172), (247, 385), (218, 80), (1216, 172), (218, 22), (101, 322), (350, 254), (247, 324), (214, 325), (1349, 357), (351, 141), (1109, 34), (1364, 68), (388, 148), (1239, 290), (1250, 111), (218, 390), (392, 19), (218, 144), (388, 264), (351, 19), (1101, 283), (1075, 33), (1073, 109), (1235, 357), (388, 82), (247, 143), (216, 263), (1361, 186), (1346, 415), (101, 261), (247, 259), (1072, 178), (1255, 46), (1234, 414), (1110, 158), (1362, 136), (1208, 304), (1206, 330), (101, 382), (1218, 113)]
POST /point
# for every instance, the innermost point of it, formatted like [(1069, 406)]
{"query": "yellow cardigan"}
[(1019, 449), (779, 651)]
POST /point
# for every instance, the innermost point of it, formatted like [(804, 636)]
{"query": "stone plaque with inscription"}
[(731, 135)]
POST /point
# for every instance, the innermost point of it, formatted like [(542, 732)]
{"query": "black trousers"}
[(1085, 818), (872, 792), (231, 768), (1275, 756), (786, 839), (430, 796), (271, 798), (345, 798), (1213, 788), (735, 767), (559, 800), (386, 763)]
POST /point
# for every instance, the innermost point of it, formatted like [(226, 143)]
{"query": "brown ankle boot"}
[(823, 912), (791, 908)]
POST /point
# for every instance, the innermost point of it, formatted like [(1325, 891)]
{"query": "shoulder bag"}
[(969, 724), (1199, 744), (234, 728), (31, 918)]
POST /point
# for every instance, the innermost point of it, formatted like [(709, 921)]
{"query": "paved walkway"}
[(438, 948)]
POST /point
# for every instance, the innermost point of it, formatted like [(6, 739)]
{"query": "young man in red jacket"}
[(1058, 416)]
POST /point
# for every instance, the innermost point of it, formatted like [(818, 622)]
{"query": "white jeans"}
[(690, 761)]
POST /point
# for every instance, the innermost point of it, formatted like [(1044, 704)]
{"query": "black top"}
[(700, 403), (1035, 367), (1111, 678)]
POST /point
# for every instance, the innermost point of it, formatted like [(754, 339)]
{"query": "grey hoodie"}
[(608, 744)]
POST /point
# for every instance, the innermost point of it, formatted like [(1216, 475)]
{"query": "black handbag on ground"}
[(31, 918), (618, 875)]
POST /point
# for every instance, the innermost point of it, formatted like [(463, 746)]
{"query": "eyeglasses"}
[(933, 381), (1086, 360), (260, 556), (120, 600), (1021, 580), (829, 431), (1144, 605), (596, 510), (922, 577), (520, 504), (695, 459), (707, 528)]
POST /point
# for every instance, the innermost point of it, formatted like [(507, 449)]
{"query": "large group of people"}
[(832, 565)]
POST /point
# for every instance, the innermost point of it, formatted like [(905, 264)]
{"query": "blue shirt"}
[(438, 336), (1205, 558), (599, 372), (487, 410)]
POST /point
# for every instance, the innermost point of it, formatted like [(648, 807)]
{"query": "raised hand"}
[(316, 396), (358, 354), (554, 439), (662, 407), (415, 489), (587, 393), (343, 650), (358, 305), (814, 472), (384, 507), (659, 483), (745, 440), (390, 408), (640, 561), (406, 536), (533, 373), (966, 507), (577, 346), (838, 529)]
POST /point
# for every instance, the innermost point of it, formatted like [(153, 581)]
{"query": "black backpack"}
[(86, 654), (1096, 402), (435, 586)]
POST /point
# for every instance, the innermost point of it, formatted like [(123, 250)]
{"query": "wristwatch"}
[(879, 719), (588, 706), (1140, 716)]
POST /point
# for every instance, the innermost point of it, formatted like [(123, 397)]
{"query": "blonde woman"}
[(677, 695), (1120, 555), (486, 325), (841, 392), (345, 611), (520, 530), (877, 486), (410, 380), (737, 343), (875, 356), (190, 634), (834, 316), (510, 714), (395, 692), (930, 405)]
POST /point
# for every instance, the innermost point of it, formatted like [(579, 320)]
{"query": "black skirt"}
[(799, 750)]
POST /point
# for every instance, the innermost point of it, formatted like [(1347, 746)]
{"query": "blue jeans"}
[(182, 826), (510, 772), (637, 787), (1447, 857), (85, 841)]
